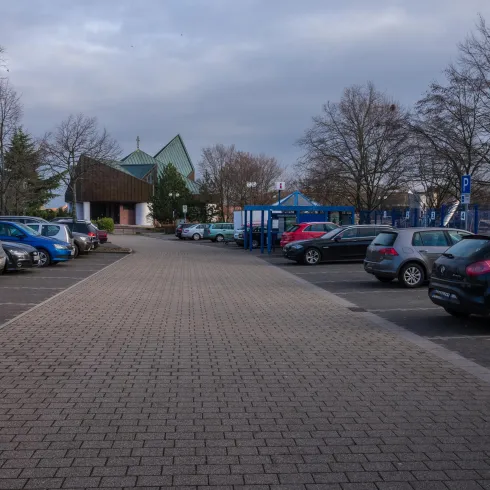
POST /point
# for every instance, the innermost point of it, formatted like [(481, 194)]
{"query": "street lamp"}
[(173, 195)]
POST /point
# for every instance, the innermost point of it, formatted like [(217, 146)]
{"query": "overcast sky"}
[(249, 72)]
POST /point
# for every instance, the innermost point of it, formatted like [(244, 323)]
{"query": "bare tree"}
[(214, 167), (10, 115), (75, 147), (452, 119), (363, 142), (247, 167)]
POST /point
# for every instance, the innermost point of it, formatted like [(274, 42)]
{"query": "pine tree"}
[(27, 188), (165, 206)]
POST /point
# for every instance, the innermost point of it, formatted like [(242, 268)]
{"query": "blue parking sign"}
[(466, 184)]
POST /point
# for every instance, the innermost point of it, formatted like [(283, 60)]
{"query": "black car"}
[(178, 230), (80, 226), (20, 256), (460, 280), (348, 243)]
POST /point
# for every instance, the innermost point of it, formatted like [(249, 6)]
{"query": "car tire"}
[(44, 257), (412, 275), (196, 237), (219, 238), (384, 279), (312, 256), (77, 251), (457, 314)]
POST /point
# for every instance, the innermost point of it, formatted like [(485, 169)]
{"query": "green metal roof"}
[(138, 170), (139, 157), (192, 186), (175, 152)]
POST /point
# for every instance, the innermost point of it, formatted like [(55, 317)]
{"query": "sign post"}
[(280, 186), (184, 210), (465, 197)]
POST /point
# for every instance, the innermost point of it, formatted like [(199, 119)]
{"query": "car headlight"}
[(83, 238), (297, 246), (18, 253), (57, 246)]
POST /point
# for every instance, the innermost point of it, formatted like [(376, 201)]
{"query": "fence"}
[(477, 219)]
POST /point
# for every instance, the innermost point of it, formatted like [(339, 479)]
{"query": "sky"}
[(245, 72)]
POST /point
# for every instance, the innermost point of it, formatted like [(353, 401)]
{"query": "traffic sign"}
[(407, 215), (465, 198), (184, 208), (466, 184), (463, 215), (385, 214), (432, 215), (280, 186)]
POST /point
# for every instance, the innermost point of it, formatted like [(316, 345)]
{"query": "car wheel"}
[(255, 244), (219, 238), (44, 257), (384, 279), (412, 275), (77, 251), (312, 256), (196, 236), (457, 314)]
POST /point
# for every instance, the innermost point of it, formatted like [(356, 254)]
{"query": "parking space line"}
[(17, 304), (55, 277), (381, 291), (462, 337), (339, 280), (406, 309), (27, 287)]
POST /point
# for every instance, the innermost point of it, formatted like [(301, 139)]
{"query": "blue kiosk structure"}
[(294, 206)]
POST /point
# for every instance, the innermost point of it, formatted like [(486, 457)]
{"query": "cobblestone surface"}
[(182, 366)]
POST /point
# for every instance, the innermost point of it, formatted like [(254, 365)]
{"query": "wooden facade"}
[(103, 183)]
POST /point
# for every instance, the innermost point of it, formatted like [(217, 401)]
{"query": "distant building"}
[(121, 190)]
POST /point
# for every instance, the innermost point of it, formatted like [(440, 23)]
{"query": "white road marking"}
[(383, 291), (27, 287), (18, 304), (406, 309)]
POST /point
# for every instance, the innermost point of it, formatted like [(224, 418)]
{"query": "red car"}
[(306, 231), (102, 235)]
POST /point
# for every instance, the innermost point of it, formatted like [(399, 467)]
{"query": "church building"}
[(121, 190)]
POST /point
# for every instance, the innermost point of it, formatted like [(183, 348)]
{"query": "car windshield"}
[(27, 230), (468, 247), (332, 233)]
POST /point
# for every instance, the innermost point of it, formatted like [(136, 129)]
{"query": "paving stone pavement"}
[(182, 366)]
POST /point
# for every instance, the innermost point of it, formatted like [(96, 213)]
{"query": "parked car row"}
[(27, 241)]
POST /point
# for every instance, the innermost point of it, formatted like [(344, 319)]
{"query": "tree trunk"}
[(74, 201)]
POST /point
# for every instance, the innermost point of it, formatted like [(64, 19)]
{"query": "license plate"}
[(440, 294)]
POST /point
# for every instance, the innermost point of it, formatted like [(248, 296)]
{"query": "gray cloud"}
[(249, 72)]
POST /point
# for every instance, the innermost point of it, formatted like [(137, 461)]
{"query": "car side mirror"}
[(337, 238)]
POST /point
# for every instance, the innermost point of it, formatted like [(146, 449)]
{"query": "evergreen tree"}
[(165, 206), (27, 188)]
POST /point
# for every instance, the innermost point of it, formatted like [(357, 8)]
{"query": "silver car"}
[(408, 254), (196, 232), (54, 230), (3, 259)]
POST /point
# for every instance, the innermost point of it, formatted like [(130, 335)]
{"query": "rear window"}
[(292, 229), (386, 239), (469, 247)]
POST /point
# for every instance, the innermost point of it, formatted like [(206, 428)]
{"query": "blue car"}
[(51, 250)]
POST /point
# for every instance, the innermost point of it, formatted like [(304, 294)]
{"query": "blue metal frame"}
[(278, 209)]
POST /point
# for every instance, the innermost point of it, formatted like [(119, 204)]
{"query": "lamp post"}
[(173, 196)]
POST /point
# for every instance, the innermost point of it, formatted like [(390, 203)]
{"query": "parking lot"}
[(407, 308), (20, 291)]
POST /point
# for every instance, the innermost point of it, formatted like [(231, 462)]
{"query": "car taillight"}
[(388, 251), (478, 268), (91, 233)]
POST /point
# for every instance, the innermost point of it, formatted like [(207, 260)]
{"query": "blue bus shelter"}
[(302, 213)]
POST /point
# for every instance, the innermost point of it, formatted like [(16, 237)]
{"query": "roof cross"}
[(137, 142)]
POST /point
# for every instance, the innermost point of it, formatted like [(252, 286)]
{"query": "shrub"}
[(106, 224)]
